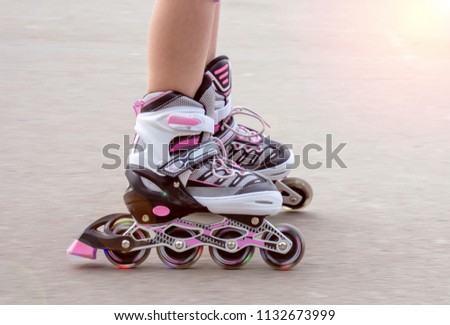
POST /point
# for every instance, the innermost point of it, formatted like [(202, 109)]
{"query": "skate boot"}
[(251, 149), (178, 168)]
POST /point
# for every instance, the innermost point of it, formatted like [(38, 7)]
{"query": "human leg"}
[(179, 38)]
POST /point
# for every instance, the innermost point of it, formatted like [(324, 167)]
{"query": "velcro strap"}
[(188, 158)]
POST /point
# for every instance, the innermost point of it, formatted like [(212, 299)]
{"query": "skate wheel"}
[(126, 260), (300, 187), (292, 257), (179, 260), (228, 260)]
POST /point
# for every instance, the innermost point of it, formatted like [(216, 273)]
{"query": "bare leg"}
[(213, 43), (179, 37)]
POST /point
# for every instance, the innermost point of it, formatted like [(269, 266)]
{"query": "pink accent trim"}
[(183, 120), (252, 138), (225, 82), (255, 139), (79, 248), (226, 137), (250, 241), (216, 128), (193, 241), (161, 211), (224, 75), (219, 71), (185, 143), (139, 104), (227, 93)]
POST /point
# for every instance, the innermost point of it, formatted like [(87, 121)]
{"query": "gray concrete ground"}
[(374, 74)]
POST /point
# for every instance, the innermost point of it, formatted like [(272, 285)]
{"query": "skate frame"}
[(204, 235)]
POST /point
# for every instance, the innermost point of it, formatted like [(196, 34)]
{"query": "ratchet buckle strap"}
[(187, 158)]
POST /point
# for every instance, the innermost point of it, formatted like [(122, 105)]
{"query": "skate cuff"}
[(188, 158)]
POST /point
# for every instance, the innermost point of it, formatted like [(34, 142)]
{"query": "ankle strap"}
[(188, 158)]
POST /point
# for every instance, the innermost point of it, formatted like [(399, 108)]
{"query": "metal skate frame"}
[(204, 235)]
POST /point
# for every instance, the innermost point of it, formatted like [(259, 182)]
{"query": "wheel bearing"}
[(125, 244), (282, 246), (231, 245), (178, 244)]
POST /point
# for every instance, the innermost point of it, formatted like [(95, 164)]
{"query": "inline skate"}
[(249, 148), (178, 168)]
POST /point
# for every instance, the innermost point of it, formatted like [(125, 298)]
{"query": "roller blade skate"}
[(177, 168), (249, 148)]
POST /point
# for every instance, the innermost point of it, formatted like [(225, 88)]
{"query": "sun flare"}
[(428, 18)]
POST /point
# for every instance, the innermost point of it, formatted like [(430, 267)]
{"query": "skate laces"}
[(221, 162), (236, 110)]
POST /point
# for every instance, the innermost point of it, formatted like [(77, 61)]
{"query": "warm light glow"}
[(444, 3), (423, 18)]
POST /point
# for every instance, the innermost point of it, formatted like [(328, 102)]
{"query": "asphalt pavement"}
[(372, 74)]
